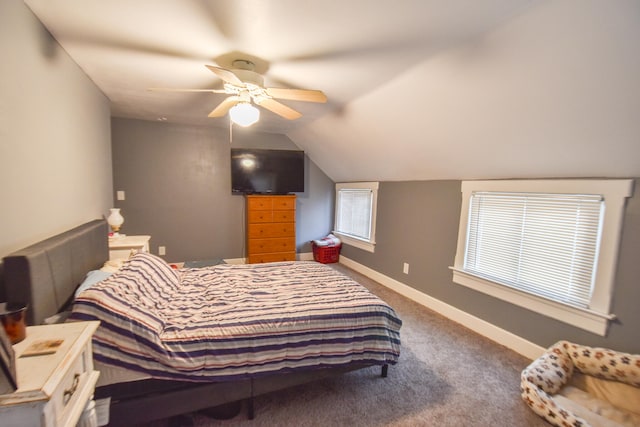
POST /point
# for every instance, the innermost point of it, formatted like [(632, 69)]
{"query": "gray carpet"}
[(447, 376)]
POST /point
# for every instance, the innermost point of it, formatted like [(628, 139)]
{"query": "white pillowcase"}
[(91, 279)]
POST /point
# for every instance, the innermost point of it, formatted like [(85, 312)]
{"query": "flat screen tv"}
[(260, 171)]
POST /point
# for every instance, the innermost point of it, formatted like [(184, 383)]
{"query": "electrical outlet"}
[(120, 195), (405, 268), (162, 250)]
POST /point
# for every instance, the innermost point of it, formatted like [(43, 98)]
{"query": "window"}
[(355, 222), (546, 245)]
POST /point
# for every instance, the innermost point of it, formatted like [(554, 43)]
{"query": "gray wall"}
[(55, 143), (177, 182), (520, 100), (418, 223)]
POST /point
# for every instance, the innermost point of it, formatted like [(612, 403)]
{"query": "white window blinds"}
[(354, 209), (544, 244)]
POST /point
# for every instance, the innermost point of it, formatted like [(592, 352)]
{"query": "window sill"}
[(360, 244), (588, 320)]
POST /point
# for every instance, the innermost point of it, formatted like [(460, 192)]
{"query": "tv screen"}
[(259, 171)]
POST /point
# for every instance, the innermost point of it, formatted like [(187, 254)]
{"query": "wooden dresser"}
[(271, 228)]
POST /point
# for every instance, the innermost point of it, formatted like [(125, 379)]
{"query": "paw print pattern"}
[(546, 375)]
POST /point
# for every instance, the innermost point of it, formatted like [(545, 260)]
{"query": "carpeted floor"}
[(447, 376)]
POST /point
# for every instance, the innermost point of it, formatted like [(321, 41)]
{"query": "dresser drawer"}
[(277, 244), (283, 229), (259, 203), (284, 216), (264, 203), (256, 217), (275, 257), (284, 203)]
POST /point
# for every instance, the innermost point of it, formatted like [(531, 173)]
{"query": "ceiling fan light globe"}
[(244, 114)]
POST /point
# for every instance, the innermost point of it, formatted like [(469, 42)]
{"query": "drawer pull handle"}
[(69, 393)]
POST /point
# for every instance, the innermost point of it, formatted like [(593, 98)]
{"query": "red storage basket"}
[(326, 254)]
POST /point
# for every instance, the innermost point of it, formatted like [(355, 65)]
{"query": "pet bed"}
[(578, 386)]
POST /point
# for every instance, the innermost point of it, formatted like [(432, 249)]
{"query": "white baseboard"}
[(489, 330), (302, 256), (305, 256)]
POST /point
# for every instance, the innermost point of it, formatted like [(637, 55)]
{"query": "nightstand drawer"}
[(67, 397)]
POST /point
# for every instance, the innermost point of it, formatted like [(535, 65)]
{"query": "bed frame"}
[(45, 276)]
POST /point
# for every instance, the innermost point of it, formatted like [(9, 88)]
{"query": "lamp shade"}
[(115, 219), (244, 114)]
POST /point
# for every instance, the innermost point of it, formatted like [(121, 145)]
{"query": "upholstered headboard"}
[(45, 275)]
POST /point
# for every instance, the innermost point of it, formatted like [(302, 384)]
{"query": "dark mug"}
[(12, 315)]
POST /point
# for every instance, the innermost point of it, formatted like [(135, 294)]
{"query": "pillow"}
[(153, 266), (91, 279), (592, 410), (619, 394), (113, 265)]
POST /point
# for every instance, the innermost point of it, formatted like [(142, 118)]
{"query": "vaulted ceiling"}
[(417, 89)]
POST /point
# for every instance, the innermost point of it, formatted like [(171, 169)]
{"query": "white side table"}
[(53, 389), (121, 247)]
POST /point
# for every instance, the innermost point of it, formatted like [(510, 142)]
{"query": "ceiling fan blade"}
[(169, 89), (280, 109), (297, 94), (224, 106), (226, 75)]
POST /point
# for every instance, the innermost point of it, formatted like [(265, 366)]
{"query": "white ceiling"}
[(407, 80)]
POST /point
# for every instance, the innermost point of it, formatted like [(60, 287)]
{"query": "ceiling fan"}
[(246, 87)]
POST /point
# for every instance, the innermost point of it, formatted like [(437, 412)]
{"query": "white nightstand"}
[(53, 389), (121, 247)]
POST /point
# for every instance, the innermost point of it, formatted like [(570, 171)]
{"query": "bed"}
[(180, 341)]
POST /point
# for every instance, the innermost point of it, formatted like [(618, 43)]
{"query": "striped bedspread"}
[(234, 321)]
